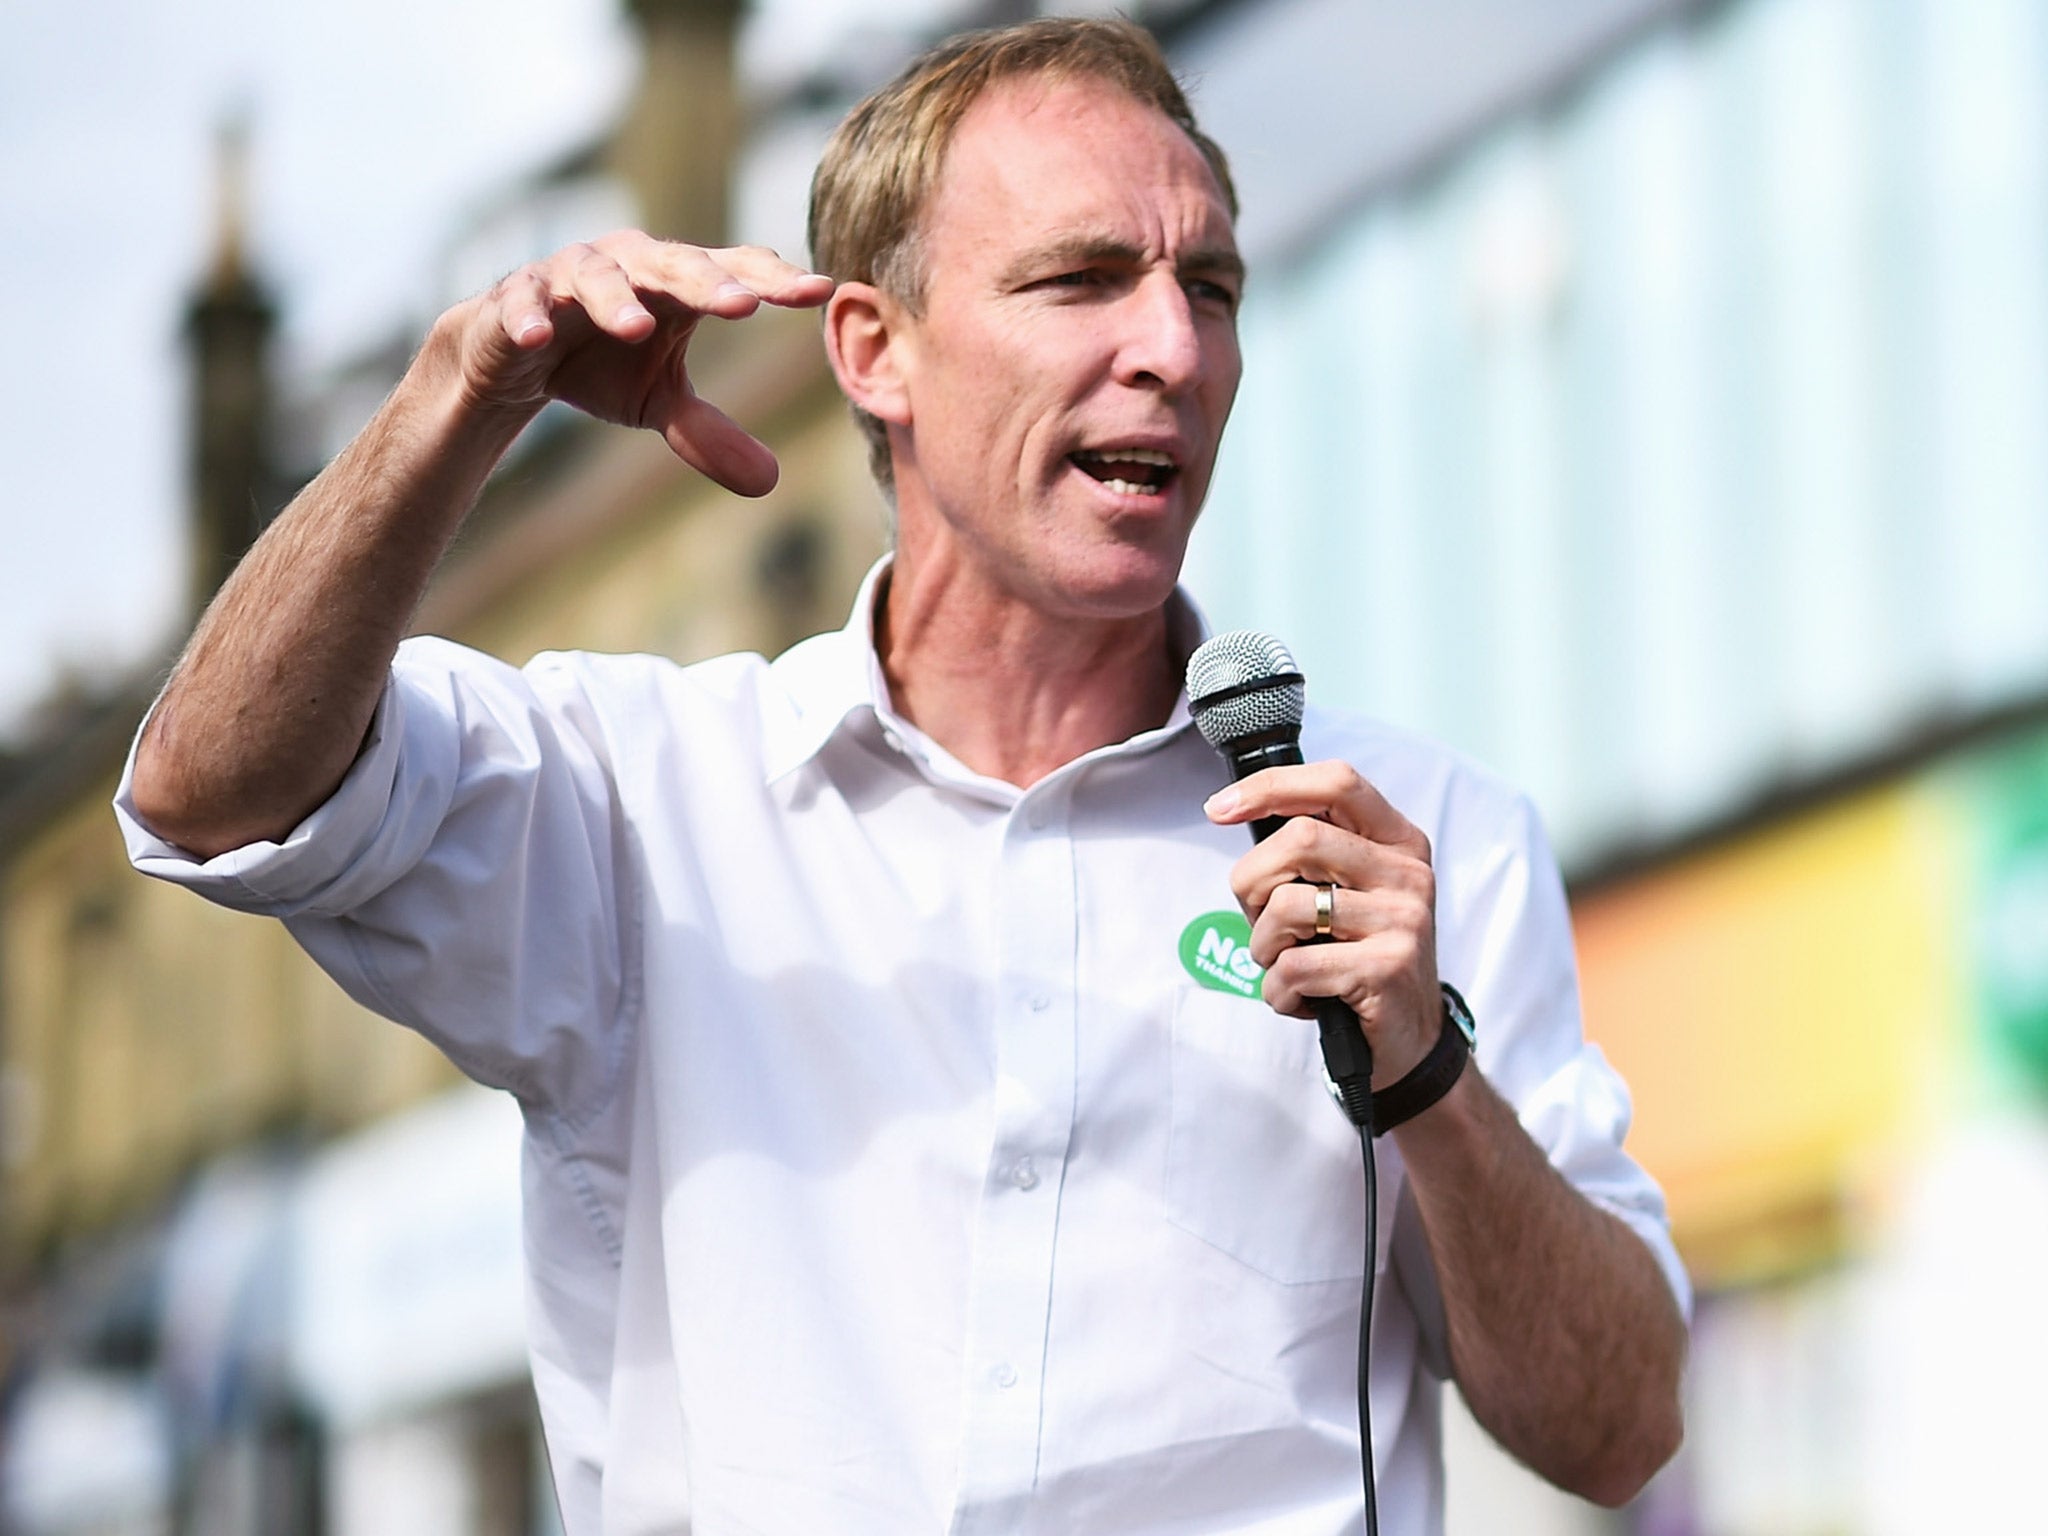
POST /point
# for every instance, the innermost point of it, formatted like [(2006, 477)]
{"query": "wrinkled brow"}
[(1086, 250)]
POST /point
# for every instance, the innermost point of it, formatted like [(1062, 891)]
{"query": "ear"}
[(863, 338)]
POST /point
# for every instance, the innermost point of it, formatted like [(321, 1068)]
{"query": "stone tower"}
[(676, 146), (228, 330)]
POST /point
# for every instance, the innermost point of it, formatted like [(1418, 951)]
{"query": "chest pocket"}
[(1260, 1161)]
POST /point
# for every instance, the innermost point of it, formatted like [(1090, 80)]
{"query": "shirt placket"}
[(1017, 1222)]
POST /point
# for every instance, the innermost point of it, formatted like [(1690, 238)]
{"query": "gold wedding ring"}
[(1326, 909)]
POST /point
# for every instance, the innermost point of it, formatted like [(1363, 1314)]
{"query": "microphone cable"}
[(1347, 1059), (1372, 1223)]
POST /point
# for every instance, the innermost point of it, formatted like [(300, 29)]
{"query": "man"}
[(885, 1169)]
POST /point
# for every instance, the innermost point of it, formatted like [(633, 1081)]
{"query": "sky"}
[(372, 123), (375, 126)]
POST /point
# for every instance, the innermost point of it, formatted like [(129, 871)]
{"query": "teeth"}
[(1127, 456), (1131, 488)]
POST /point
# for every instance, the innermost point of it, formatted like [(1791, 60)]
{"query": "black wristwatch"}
[(1433, 1076)]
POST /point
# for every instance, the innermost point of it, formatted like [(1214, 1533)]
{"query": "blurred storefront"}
[(408, 1337), (327, 1343), (1834, 1027)]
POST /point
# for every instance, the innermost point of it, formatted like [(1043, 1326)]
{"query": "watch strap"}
[(1433, 1076)]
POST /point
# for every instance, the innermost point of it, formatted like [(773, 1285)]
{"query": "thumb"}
[(716, 446)]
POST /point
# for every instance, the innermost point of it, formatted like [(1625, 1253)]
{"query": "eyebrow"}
[(1082, 250)]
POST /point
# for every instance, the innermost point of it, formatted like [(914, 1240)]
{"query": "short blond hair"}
[(882, 163)]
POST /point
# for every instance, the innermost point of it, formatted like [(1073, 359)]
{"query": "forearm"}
[(270, 702), (272, 699), (1564, 1335)]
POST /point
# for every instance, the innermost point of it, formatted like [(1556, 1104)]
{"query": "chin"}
[(1121, 583)]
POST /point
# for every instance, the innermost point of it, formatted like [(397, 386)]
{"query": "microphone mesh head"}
[(1263, 687)]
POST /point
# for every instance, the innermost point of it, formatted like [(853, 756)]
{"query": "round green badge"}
[(1216, 949)]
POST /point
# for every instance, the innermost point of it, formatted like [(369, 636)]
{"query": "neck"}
[(1011, 690)]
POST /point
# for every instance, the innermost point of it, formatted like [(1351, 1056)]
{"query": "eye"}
[(1204, 291)]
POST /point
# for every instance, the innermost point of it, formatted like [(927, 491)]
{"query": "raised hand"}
[(267, 708), (605, 326)]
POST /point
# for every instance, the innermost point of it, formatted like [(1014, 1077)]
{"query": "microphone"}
[(1248, 697)]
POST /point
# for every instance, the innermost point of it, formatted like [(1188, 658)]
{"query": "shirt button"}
[(1039, 817), (1003, 1376), (1041, 1001), (895, 742), (1024, 1176)]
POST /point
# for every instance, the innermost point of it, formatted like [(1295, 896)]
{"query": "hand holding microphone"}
[(1332, 861)]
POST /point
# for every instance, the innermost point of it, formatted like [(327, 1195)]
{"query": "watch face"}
[(1459, 1014)]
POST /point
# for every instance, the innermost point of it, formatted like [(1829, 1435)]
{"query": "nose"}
[(1161, 347)]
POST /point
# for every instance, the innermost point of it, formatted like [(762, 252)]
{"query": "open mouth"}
[(1128, 471)]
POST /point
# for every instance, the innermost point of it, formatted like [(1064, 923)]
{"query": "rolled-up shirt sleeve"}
[(467, 878), (1514, 947)]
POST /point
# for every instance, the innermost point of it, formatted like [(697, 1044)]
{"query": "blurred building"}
[(260, 1250), (1641, 395)]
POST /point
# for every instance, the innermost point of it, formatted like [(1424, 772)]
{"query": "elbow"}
[(1628, 1464), (160, 801), (162, 817), (1636, 1449), (1648, 1425), (153, 797), (1630, 1433)]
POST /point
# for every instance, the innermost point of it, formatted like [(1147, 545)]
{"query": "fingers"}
[(729, 281), (774, 280), (1388, 981), (1381, 945), (605, 326), (596, 283), (1379, 960), (1289, 918), (616, 282), (535, 319), (1379, 955), (521, 309), (1322, 853), (1334, 791), (613, 287)]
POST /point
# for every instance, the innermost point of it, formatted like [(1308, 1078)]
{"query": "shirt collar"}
[(833, 681)]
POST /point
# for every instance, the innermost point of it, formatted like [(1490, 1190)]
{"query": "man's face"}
[(1069, 377)]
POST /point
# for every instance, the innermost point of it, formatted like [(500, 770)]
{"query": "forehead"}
[(1033, 157)]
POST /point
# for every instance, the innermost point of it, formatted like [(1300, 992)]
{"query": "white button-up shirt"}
[(899, 1154)]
